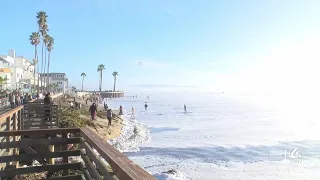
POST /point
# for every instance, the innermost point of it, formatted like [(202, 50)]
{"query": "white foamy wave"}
[(134, 134), (170, 175)]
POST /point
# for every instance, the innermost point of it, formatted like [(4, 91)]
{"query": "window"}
[(59, 82), (59, 76)]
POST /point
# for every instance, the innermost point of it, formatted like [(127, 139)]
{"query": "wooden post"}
[(8, 125), (65, 158), (20, 119), (15, 127), (51, 149)]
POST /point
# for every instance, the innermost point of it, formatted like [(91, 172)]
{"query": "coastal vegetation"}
[(3, 80)]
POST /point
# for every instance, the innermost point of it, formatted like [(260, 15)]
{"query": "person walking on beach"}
[(105, 106), (93, 110), (185, 108), (120, 110), (109, 116), (146, 106)]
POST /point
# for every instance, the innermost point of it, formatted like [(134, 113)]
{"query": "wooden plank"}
[(85, 172), (31, 152), (120, 166), (103, 169), (38, 126), (39, 132), (9, 113), (8, 129), (28, 157), (91, 169), (70, 177), (50, 168), (45, 142), (65, 159)]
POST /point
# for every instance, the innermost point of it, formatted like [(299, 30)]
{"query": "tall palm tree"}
[(49, 48), (115, 74), (35, 41), (83, 75), (46, 40), (43, 28), (100, 69), (34, 64)]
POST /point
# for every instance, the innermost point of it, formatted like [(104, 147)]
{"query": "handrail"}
[(122, 166), (92, 164)]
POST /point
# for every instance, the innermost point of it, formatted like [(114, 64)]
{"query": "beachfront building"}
[(18, 71), (23, 72), (59, 79), (6, 62)]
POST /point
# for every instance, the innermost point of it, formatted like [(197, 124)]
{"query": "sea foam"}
[(134, 134)]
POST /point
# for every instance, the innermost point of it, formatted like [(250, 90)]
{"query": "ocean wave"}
[(134, 134), (170, 175)]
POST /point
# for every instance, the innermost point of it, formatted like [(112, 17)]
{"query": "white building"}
[(58, 78), (19, 72), (6, 62)]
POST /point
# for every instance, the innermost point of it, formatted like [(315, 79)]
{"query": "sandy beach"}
[(101, 122)]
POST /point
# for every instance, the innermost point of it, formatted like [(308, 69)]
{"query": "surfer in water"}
[(185, 108), (146, 106), (132, 115)]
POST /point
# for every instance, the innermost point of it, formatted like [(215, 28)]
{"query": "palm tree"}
[(43, 28), (115, 74), (35, 41), (50, 86), (100, 69), (3, 80), (83, 75), (46, 40), (55, 86), (49, 47), (34, 64)]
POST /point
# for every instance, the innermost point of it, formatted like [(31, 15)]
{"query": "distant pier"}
[(105, 94)]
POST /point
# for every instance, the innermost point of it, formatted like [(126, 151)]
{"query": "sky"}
[(207, 45)]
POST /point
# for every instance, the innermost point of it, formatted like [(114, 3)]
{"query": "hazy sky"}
[(227, 45)]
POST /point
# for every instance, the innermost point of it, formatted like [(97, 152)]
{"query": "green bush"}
[(73, 119)]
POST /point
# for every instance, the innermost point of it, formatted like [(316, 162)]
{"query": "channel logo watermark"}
[(294, 156)]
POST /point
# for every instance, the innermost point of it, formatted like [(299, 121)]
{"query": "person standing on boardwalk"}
[(185, 108), (47, 101), (93, 110), (109, 116), (12, 100), (17, 102)]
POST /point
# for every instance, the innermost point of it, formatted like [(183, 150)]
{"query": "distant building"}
[(58, 78)]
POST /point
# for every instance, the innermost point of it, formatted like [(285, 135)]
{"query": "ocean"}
[(222, 136)]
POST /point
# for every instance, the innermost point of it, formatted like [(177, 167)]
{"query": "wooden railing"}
[(108, 164), (13, 120)]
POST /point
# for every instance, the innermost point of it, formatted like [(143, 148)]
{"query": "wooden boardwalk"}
[(28, 133)]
